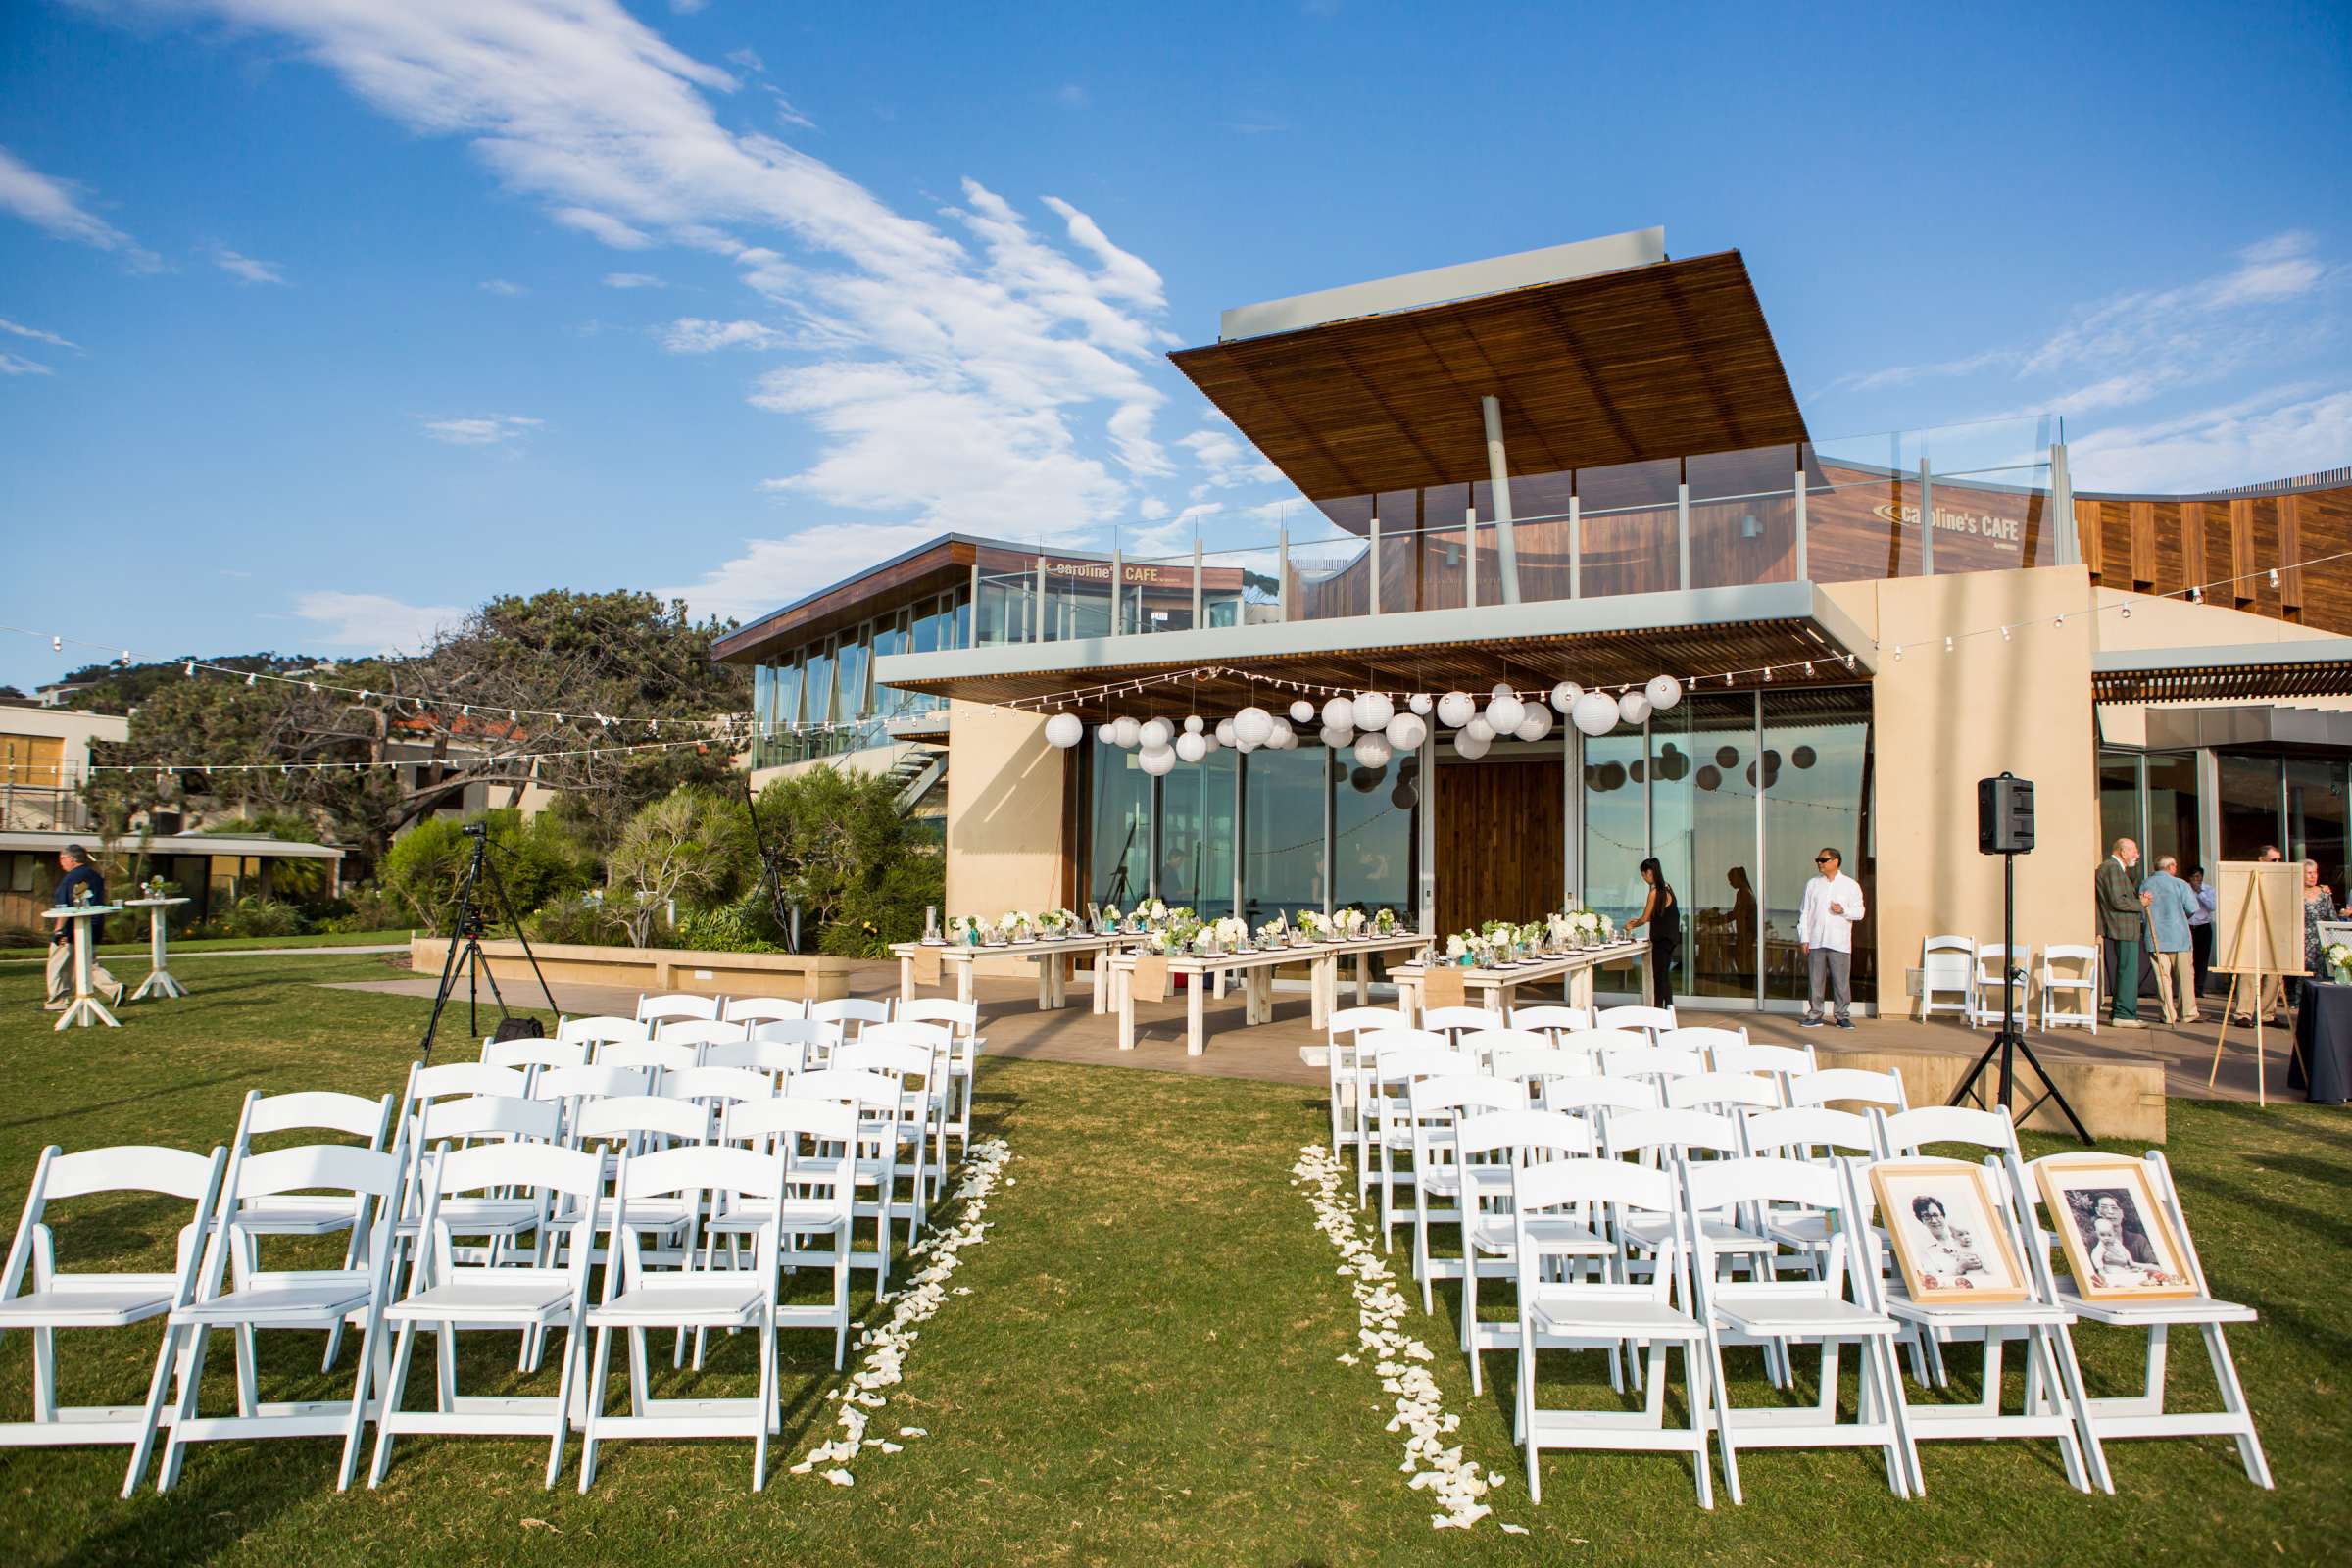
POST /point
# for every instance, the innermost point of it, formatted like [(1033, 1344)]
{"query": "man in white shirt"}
[(1825, 927)]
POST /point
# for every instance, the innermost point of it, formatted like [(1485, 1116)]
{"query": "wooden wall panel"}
[(2086, 537), (2140, 519), (1502, 839), (2192, 543), (2290, 548), (2242, 550)]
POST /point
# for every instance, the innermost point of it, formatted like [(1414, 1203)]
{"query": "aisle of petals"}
[(886, 1344), (1401, 1362)]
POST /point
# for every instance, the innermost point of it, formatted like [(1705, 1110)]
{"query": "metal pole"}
[(1282, 543), (1576, 547), (1682, 534), (1037, 626), (1470, 558), (1374, 557), (1926, 520), (1805, 570), (1118, 582), (1498, 479), (2068, 541), (1197, 620)]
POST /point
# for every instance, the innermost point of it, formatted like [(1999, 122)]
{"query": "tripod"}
[(2010, 1043), (466, 945)]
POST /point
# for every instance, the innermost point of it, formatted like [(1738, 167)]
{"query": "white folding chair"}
[(701, 1033), (962, 1020), (534, 1052), (656, 1056), (913, 1065), (1706, 1038), (812, 1037), (640, 1124), (778, 1059), (54, 1298), (502, 1219), (459, 1080), (1948, 976), (1554, 1019), (762, 1010), (2144, 1414), (676, 1005), (312, 1299), (1344, 1068), (1726, 1091), (312, 1111), (447, 1294), (638, 1294), (1650, 1019), (1569, 1298), (573, 1087), (1997, 964), (1491, 1044), (1370, 1041), (1813, 1133), (1397, 1061), (1660, 1137), (1436, 1106), (601, 1030), (1455, 1022), (847, 1016), (879, 1102), (817, 1140), (1856, 1086), (1832, 1307), (715, 1086), (1493, 1147), (1748, 1057), (1659, 1064), (1582, 1097), (1536, 1070), (2082, 984)]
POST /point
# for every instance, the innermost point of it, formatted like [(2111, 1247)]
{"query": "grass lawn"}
[(316, 939), (1146, 1371)]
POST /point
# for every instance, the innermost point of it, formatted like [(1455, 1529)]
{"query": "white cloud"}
[(2279, 436), (967, 374), (748, 58), (633, 280), (1225, 459), (489, 432), (18, 365), (778, 571), (18, 330), (376, 622), (1070, 95), (501, 288), (55, 205), (246, 268), (690, 334)]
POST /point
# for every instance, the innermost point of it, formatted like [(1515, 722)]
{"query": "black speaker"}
[(2005, 815)]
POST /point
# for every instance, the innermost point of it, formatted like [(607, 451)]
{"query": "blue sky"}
[(322, 319)]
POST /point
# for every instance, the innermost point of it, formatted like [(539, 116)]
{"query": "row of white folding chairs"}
[(786, 1177), (1488, 1138)]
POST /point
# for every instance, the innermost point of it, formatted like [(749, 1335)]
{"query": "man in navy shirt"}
[(79, 873)]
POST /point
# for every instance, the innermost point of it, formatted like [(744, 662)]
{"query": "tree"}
[(845, 855), (677, 849), (535, 860)]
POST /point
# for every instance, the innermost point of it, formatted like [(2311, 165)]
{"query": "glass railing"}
[(1830, 511)]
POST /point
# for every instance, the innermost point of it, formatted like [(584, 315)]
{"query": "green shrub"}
[(744, 926), (537, 861), (251, 915), (576, 919), (362, 907), (890, 909)]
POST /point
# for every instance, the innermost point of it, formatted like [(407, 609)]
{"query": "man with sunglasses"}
[(1825, 927)]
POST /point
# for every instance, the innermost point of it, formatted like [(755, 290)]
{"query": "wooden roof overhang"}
[(1633, 638), (1656, 361), (928, 568), (2317, 667)]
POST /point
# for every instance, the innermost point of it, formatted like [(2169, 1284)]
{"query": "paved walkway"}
[(140, 952), (1014, 1027)]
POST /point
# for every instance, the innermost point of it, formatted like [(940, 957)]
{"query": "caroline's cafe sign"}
[(2006, 533)]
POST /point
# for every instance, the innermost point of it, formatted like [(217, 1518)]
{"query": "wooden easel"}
[(2253, 915)]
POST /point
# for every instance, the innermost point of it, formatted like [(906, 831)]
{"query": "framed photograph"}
[(1949, 1239), (2119, 1244)]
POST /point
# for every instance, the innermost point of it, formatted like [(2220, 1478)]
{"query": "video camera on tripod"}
[(466, 945)]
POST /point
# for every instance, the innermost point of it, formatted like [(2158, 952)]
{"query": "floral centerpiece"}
[(1384, 923), (1589, 926), (1349, 924), (2339, 961), (1055, 924), (1314, 925), (1275, 933), (1172, 937), (1230, 934)]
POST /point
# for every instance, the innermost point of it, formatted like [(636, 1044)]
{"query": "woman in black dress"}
[(1662, 913)]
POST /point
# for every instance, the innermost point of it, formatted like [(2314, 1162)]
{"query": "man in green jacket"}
[(2120, 903)]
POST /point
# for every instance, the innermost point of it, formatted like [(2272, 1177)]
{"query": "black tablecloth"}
[(2323, 1064)]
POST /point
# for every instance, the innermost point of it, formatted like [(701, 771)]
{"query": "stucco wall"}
[(1004, 812), (1945, 720)]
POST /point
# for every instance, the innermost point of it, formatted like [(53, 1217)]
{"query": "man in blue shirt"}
[(80, 874), (2172, 905)]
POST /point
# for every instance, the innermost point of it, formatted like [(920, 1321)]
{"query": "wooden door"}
[(1500, 841)]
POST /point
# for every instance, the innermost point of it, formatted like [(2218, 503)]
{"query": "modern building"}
[(1586, 465)]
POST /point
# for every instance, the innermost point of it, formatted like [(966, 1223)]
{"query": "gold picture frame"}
[(2120, 1243), (1950, 1239)]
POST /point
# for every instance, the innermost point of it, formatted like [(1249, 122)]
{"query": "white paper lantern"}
[(1065, 730), (1251, 727), (1564, 696), (1633, 707), (1373, 710), (1338, 711), (1125, 732), (1195, 724), (1224, 732), (1302, 712), (1506, 714), (1105, 735), (1372, 752), (1501, 688), (1336, 736), (1467, 744), (1421, 702), (1664, 691), (1480, 729), (1536, 725), (1157, 761), (1455, 709), (1283, 737), (1594, 713), (1155, 734), (1191, 746), (1407, 732)]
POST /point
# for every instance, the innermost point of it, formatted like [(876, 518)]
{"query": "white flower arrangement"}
[(1231, 931), (1315, 924), (1154, 911), (1351, 922), (1385, 922), (1275, 932), (2339, 957), (1457, 947)]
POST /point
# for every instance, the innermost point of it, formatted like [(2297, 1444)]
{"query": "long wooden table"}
[(1497, 989), (1255, 972), (1051, 958)]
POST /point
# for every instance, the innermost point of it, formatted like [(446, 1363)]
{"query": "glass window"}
[(929, 623), (962, 622), (2249, 806), (1616, 823), (1375, 844), (1196, 834), (819, 683), (1817, 791), (2118, 800), (1704, 777), (1282, 846), (2173, 821), (890, 637), (851, 662), (2315, 818), (1119, 827)]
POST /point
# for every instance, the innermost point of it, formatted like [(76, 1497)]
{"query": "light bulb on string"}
[(2274, 577), (249, 680), (2126, 611), (2004, 634), (1947, 645), (2060, 622), (57, 645), (189, 668)]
